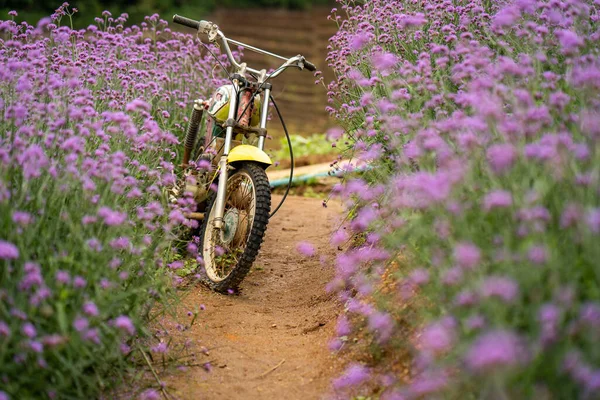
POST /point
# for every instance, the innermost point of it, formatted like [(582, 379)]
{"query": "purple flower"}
[(8, 251), (383, 62), (354, 375), (111, 218), (150, 394), (498, 286), (339, 237), (382, 324), (90, 309), (160, 348), (589, 313), (493, 350), (428, 383), (419, 276), (306, 249), (343, 327), (439, 336), (501, 157), (29, 330), (537, 254), (92, 335), (33, 160), (22, 218), (79, 282), (3, 394), (497, 199), (62, 277), (4, 329), (36, 346), (506, 17), (138, 105), (123, 323), (467, 255), (569, 41), (359, 40), (592, 219), (80, 324)]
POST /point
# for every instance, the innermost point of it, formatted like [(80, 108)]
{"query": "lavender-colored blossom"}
[(438, 336), (343, 327), (79, 282), (354, 376), (80, 324), (467, 255), (339, 237), (306, 249), (589, 314), (28, 330), (428, 383), (162, 347), (4, 329), (383, 62), (419, 276), (359, 40), (22, 218), (504, 288), (124, 323), (8, 251), (497, 199), (569, 40), (382, 324), (90, 309), (495, 349), (537, 254), (111, 217), (150, 394), (501, 157), (592, 219)]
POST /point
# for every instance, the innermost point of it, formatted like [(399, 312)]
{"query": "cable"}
[(287, 135)]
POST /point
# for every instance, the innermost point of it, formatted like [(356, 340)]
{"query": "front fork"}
[(223, 172)]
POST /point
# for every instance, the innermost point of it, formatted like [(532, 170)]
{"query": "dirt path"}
[(270, 341)]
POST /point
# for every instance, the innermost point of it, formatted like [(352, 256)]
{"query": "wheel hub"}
[(230, 224)]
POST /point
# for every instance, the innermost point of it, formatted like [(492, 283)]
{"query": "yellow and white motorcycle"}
[(233, 220)]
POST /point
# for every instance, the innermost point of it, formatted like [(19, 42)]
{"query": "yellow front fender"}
[(245, 152)]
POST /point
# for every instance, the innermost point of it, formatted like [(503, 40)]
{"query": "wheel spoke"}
[(240, 206)]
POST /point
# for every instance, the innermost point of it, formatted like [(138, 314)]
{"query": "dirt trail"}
[(270, 341)]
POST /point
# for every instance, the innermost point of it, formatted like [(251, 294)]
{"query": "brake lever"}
[(213, 32)]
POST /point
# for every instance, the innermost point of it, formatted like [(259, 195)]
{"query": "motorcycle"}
[(233, 219)]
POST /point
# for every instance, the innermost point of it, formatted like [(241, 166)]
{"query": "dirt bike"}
[(233, 219)]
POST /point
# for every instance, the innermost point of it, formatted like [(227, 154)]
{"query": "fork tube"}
[(223, 173), (264, 113)]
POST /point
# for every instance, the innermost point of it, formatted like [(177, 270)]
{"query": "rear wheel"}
[(228, 253)]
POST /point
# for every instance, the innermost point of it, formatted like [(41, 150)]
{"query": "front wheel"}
[(228, 253)]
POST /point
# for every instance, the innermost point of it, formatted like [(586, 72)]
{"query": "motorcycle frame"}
[(239, 78)]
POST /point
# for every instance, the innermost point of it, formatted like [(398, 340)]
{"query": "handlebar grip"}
[(310, 66), (178, 19)]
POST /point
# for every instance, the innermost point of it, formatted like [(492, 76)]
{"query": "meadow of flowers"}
[(476, 230), (88, 141)]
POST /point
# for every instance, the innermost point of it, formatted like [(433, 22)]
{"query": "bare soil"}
[(270, 340)]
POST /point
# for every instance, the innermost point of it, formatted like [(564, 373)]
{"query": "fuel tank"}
[(219, 105)]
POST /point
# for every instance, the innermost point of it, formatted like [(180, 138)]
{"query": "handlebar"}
[(310, 66), (190, 23), (213, 32)]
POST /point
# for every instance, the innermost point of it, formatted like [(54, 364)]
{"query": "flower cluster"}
[(480, 212), (87, 150)]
